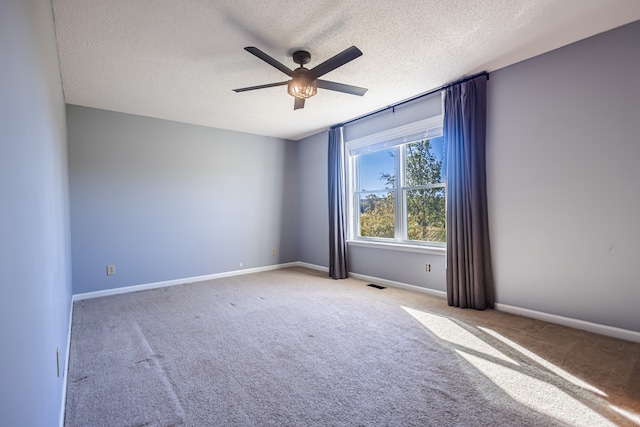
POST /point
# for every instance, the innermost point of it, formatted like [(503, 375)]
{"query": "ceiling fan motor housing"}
[(301, 57), (304, 83)]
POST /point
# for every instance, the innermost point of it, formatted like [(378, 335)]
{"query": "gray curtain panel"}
[(469, 271), (337, 206)]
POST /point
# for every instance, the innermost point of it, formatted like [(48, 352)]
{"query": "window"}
[(396, 187)]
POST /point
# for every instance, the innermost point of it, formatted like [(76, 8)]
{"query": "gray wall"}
[(562, 155), (314, 200), (563, 152), (399, 266), (35, 266), (405, 267), (163, 200)]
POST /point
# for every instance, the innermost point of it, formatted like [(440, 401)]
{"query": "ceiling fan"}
[(304, 83)]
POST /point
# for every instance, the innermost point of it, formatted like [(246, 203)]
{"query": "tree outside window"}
[(411, 173)]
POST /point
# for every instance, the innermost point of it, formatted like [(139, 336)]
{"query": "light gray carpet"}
[(294, 348)]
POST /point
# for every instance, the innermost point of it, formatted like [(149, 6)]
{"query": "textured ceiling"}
[(180, 60)]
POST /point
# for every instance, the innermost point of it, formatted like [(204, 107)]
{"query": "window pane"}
[(377, 215), (424, 162), (376, 170), (426, 215)]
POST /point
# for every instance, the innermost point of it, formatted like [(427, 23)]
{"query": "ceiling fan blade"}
[(269, 60), (299, 103), (340, 87), (244, 89), (334, 62)]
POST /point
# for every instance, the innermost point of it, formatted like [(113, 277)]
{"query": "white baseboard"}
[(380, 281), (155, 285), (377, 280), (400, 285), (597, 328), (623, 334), (312, 266), (63, 403), (551, 318)]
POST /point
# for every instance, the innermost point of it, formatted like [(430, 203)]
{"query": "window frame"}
[(397, 139)]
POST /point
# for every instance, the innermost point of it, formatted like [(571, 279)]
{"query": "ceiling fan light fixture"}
[(304, 83), (302, 88)]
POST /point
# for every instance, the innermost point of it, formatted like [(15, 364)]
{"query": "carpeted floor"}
[(294, 348)]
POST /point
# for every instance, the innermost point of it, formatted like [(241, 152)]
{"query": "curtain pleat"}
[(337, 205), (469, 271)]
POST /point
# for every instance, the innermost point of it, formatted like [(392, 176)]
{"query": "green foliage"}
[(426, 215), (425, 206), (377, 216)]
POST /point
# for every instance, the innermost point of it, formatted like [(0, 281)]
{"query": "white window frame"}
[(390, 138)]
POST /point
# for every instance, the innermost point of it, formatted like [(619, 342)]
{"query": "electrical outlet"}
[(273, 251), (427, 267), (111, 270)]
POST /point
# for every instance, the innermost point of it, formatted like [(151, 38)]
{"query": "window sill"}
[(433, 250)]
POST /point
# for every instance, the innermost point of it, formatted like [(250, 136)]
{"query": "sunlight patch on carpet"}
[(537, 394), (631, 416), (548, 365), (448, 330)]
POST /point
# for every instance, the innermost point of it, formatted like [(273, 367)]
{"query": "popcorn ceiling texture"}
[(180, 60)]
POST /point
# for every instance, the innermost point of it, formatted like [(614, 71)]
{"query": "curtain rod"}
[(422, 95)]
